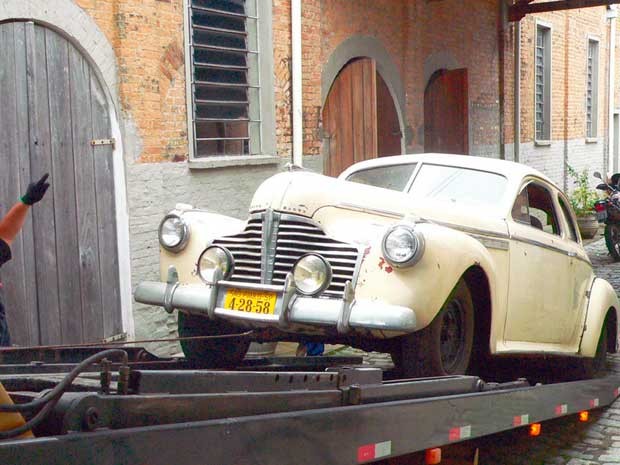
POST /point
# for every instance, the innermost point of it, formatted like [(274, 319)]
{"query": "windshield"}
[(394, 177), (460, 186)]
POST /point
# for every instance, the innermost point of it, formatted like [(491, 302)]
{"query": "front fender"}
[(602, 298), (425, 286), (203, 228)]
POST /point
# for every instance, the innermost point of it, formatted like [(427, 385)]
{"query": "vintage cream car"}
[(441, 260)]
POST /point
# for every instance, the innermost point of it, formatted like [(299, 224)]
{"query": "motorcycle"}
[(608, 212)]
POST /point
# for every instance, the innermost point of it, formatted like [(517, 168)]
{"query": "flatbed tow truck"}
[(126, 406)]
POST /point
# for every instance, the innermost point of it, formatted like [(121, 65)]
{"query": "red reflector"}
[(584, 416), (433, 456), (366, 453), (535, 429), (599, 207)]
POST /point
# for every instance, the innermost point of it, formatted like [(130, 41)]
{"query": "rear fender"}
[(603, 299)]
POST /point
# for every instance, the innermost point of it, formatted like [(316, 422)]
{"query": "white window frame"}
[(593, 136), (263, 104), (547, 135)]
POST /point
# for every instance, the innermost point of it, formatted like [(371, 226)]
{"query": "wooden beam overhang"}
[(520, 8)]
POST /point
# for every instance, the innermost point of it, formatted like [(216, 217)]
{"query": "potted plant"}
[(582, 199)]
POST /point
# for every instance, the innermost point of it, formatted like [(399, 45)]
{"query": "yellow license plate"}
[(263, 303)]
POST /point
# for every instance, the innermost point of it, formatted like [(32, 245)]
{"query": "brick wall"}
[(147, 37), (570, 31)]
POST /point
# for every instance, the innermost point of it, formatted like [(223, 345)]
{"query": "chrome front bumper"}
[(291, 308)]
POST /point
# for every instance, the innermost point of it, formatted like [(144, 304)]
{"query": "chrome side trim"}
[(550, 247), (374, 211), (468, 230), (491, 243)]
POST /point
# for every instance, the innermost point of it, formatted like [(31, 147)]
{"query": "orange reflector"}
[(535, 429), (433, 456), (584, 416)]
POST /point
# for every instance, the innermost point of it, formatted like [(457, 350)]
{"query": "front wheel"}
[(445, 346), (211, 353), (612, 240)]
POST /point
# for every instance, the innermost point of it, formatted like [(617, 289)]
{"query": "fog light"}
[(312, 274), (213, 258)]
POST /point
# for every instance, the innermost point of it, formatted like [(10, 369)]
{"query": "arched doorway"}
[(446, 122), (359, 117), (62, 285)]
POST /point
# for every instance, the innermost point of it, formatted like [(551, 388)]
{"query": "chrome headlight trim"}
[(326, 282), (183, 239), (228, 257), (418, 246)]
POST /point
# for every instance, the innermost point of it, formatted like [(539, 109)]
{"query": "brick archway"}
[(367, 46), (71, 21)]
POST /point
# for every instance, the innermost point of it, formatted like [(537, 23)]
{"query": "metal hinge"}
[(115, 337), (95, 142)]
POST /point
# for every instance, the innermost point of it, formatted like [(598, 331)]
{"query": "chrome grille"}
[(296, 236), (246, 249)]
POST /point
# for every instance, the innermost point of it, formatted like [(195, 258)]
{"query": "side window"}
[(542, 211), (572, 229), (534, 206), (520, 210)]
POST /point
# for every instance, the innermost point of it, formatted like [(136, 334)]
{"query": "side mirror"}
[(596, 174)]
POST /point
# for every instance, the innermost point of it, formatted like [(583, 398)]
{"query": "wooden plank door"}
[(350, 117), (446, 121), (388, 127), (62, 285)]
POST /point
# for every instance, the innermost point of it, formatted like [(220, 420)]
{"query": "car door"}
[(538, 295), (581, 275)]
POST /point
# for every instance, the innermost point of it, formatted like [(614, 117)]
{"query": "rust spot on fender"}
[(385, 266)]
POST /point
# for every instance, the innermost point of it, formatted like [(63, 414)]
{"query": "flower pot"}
[(588, 226)]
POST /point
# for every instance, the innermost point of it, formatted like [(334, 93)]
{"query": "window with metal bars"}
[(592, 89), (542, 82), (225, 78)]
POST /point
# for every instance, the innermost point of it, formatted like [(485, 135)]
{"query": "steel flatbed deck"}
[(341, 415)]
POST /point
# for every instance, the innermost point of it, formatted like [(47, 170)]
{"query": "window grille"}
[(225, 80), (542, 83), (592, 89)]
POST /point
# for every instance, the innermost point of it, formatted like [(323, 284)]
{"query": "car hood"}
[(306, 194)]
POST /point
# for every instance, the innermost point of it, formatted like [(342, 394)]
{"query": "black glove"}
[(36, 191)]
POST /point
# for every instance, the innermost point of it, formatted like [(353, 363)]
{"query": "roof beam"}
[(521, 8)]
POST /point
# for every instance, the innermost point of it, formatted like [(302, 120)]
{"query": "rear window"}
[(394, 177)]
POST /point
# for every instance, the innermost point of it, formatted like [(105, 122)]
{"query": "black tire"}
[(612, 240), (594, 367), (445, 346), (211, 353)]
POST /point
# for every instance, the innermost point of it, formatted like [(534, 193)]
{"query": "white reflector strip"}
[(521, 420), (594, 403), (561, 409)]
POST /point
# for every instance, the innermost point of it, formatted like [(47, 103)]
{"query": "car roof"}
[(511, 170)]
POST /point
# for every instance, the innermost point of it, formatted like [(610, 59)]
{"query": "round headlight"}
[(173, 233), (402, 246), (212, 258), (312, 274)]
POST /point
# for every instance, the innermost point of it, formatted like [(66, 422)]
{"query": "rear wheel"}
[(445, 346), (612, 240), (211, 353), (593, 367)]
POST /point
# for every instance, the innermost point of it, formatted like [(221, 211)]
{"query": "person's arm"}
[(13, 221)]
